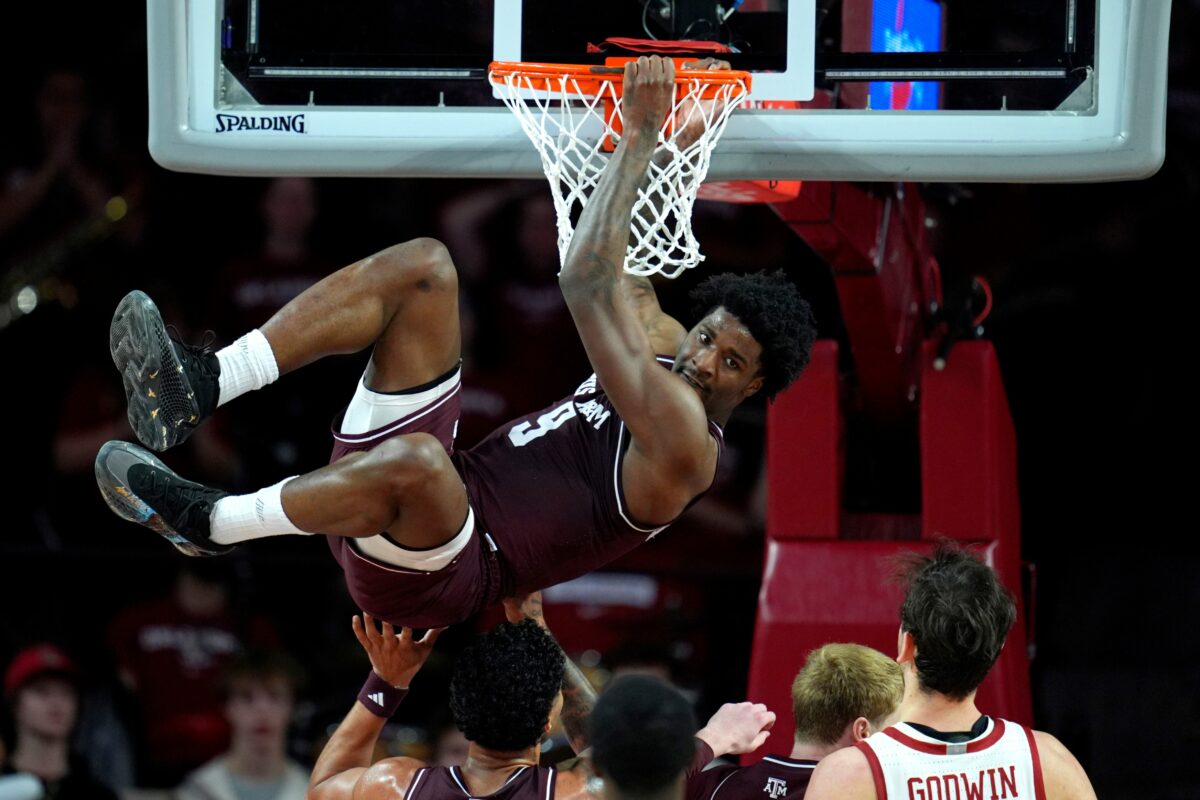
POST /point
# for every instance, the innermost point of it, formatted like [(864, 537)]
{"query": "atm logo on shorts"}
[(284, 123)]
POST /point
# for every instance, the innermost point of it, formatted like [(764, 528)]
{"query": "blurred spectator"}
[(254, 286), (486, 404), (260, 690), (53, 183), (41, 693), (276, 431), (171, 654), (504, 240)]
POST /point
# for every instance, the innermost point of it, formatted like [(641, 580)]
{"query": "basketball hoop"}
[(573, 116)]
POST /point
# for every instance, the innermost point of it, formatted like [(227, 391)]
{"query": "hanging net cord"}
[(566, 123)]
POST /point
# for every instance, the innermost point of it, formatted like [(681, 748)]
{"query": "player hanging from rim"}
[(427, 536)]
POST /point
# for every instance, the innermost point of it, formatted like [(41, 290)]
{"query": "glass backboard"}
[(1011, 90)]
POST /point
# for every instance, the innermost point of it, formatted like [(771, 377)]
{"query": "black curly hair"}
[(504, 685), (778, 318)]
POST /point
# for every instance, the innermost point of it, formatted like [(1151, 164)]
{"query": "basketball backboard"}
[(1014, 90)]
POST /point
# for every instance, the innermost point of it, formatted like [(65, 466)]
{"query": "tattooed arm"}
[(579, 696)]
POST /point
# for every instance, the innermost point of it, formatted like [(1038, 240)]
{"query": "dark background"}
[(1093, 323)]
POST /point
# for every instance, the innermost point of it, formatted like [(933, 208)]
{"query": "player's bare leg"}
[(403, 300)]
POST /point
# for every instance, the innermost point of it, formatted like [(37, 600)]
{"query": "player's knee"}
[(412, 463), (423, 264)]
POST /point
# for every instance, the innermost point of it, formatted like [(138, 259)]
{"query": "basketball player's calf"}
[(406, 486), (402, 300)]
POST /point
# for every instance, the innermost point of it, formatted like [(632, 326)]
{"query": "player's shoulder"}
[(574, 779), (842, 775), (387, 778), (1062, 773)]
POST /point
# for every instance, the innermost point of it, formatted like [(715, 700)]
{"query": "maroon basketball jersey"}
[(447, 783), (772, 778), (546, 489)]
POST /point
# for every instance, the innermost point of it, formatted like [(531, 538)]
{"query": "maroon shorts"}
[(406, 596)]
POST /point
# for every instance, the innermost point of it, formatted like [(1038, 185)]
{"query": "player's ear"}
[(907, 647), (860, 729), (753, 387)]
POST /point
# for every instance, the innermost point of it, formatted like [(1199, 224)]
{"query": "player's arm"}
[(842, 775), (576, 780), (579, 696), (1062, 773), (343, 770), (664, 331), (664, 416), (737, 728)]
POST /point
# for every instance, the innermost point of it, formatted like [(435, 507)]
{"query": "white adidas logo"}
[(376, 698)]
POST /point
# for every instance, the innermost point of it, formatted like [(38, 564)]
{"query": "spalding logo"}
[(286, 123)]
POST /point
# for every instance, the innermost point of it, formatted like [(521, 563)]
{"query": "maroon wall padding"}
[(804, 443), (818, 589)]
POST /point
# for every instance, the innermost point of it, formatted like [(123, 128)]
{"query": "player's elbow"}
[(587, 279)]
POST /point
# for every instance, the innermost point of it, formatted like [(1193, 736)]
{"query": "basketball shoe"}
[(142, 489), (169, 386)]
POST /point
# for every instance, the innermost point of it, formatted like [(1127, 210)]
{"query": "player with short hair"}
[(641, 744), (953, 622), (842, 694)]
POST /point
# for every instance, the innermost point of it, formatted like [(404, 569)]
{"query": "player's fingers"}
[(431, 636), (359, 633)]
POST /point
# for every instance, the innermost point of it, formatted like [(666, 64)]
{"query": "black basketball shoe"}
[(142, 489), (169, 386)]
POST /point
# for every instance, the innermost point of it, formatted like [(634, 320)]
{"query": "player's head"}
[(641, 732), (954, 619), (755, 334), (506, 692), (844, 693)]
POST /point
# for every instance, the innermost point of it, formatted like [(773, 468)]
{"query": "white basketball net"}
[(568, 127)]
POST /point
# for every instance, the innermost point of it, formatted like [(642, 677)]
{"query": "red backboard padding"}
[(804, 443), (968, 448)]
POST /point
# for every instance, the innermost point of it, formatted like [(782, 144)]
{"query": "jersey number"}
[(524, 433)]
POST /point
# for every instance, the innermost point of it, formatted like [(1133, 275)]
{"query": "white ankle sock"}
[(242, 517), (246, 365)]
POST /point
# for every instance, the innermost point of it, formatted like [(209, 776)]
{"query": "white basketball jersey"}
[(999, 764)]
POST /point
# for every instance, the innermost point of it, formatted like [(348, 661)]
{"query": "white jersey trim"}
[(652, 532), (788, 763)]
